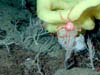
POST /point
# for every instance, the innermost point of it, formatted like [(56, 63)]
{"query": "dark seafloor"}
[(26, 48)]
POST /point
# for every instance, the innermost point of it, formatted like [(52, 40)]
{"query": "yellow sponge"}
[(57, 12)]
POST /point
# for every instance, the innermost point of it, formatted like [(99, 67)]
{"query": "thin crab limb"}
[(62, 18), (91, 52)]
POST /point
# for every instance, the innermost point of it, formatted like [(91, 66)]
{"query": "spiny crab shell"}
[(70, 26)]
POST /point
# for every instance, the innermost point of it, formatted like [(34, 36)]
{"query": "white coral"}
[(91, 52)]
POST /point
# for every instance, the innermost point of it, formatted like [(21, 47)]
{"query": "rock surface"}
[(76, 71)]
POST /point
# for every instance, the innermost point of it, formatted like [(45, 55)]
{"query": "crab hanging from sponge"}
[(67, 18), (56, 13)]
